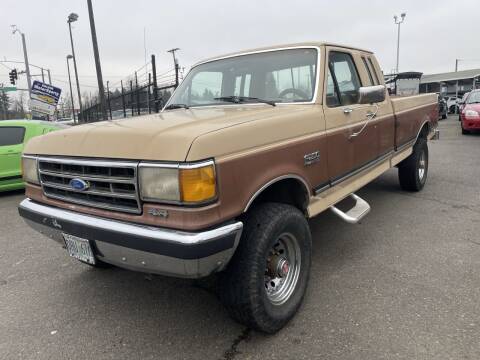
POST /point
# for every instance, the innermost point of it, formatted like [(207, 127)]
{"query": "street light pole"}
[(25, 56), (72, 18), (399, 22), (71, 92), (101, 91)]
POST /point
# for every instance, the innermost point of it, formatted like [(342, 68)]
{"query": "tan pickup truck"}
[(223, 180)]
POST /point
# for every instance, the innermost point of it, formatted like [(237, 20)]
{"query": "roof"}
[(281, 46), (450, 76)]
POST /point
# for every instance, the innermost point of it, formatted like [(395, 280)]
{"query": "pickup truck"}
[(223, 179)]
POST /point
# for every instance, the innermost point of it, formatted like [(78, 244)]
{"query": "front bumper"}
[(138, 247), (471, 124)]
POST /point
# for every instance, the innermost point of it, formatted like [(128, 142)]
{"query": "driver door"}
[(345, 117)]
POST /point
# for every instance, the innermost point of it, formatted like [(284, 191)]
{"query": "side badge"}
[(309, 159), (158, 212)]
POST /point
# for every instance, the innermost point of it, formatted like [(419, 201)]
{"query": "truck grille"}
[(111, 185)]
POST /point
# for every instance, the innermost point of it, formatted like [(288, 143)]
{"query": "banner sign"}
[(44, 98)]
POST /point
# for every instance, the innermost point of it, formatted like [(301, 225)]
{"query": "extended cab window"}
[(374, 71), (344, 77), (367, 69), (11, 135)]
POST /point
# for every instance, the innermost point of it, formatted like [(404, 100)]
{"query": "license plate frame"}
[(79, 248)]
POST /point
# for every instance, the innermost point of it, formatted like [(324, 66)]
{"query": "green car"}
[(13, 136)]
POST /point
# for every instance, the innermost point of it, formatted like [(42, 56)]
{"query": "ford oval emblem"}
[(79, 184)]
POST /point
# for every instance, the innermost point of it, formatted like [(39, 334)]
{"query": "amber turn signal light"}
[(197, 184)]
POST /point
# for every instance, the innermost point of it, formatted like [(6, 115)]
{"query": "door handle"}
[(370, 116), (347, 110)]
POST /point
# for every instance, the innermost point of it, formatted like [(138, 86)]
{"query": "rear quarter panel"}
[(411, 113)]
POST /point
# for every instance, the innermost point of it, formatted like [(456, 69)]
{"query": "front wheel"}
[(264, 284), (464, 132), (412, 172)]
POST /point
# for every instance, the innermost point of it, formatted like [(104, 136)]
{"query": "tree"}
[(19, 106), (4, 105)]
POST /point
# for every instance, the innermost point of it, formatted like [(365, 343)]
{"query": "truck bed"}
[(411, 113)]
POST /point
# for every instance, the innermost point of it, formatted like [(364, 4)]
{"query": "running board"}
[(355, 214)]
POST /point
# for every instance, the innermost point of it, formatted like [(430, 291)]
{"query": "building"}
[(457, 82)]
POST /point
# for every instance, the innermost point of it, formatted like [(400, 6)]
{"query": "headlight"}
[(471, 113), (188, 184), (29, 170)]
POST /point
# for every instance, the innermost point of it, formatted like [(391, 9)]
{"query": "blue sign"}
[(46, 93)]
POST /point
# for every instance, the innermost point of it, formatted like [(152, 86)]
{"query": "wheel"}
[(412, 172), (464, 132), (265, 282)]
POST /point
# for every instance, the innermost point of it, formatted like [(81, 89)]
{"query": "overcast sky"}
[(433, 35)]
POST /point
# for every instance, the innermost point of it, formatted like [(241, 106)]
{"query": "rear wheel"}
[(264, 284), (412, 172), (464, 132)]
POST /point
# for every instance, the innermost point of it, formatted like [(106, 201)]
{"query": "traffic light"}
[(13, 76)]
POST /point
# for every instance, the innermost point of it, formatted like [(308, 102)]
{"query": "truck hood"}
[(165, 136)]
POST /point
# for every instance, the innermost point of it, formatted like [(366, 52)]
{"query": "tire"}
[(465, 132), (246, 286), (410, 173)]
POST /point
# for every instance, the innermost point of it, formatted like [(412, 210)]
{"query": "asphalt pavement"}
[(404, 284)]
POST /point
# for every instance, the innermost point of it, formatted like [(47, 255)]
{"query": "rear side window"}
[(11, 135), (368, 71), (374, 72), (345, 78)]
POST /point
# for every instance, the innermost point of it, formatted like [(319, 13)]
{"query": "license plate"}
[(79, 248)]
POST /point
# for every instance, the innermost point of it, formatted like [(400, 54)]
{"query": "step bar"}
[(356, 213)]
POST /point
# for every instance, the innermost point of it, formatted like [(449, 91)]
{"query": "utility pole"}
[(175, 62), (398, 22), (101, 91), (25, 56), (71, 92), (72, 18)]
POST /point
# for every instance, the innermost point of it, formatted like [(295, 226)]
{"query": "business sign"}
[(44, 98), (41, 107)]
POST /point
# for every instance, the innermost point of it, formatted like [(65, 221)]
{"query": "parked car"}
[(461, 105), (13, 136), (452, 103), (470, 115), (442, 108), (249, 146)]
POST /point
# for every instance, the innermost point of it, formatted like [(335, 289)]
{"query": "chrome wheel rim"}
[(282, 269), (422, 166)]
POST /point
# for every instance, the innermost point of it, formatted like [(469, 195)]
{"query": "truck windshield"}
[(279, 76)]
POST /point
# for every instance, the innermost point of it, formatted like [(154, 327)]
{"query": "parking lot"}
[(404, 284)]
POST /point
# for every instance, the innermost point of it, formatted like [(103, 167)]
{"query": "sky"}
[(434, 33)]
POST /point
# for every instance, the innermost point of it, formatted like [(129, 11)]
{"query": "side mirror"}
[(371, 94)]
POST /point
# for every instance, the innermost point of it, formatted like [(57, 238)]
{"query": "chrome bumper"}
[(138, 247)]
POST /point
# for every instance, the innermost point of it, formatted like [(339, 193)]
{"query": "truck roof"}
[(281, 46)]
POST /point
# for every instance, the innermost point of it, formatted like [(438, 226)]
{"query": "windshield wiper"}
[(176, 106), (242, 99)]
